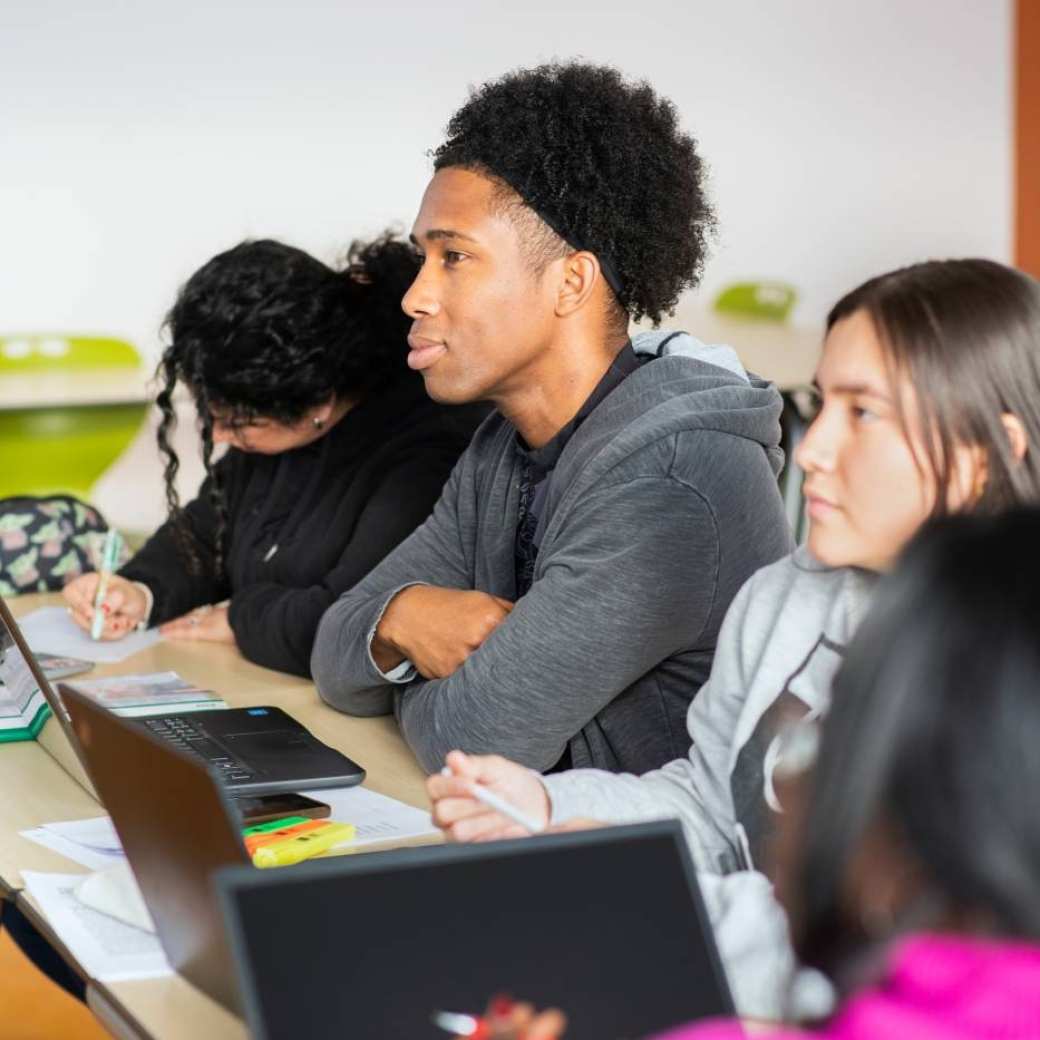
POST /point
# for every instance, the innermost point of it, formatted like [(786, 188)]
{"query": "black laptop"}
[(255, 751), (606, 924)]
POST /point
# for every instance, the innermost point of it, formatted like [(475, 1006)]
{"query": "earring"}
[(319, 424)]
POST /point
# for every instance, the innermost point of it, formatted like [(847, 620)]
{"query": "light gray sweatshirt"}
[(778, 649), (661, 505), (780, 645)]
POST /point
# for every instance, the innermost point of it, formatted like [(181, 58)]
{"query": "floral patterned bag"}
[(45, 542)]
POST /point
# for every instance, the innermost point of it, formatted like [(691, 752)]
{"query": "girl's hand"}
[(463, 818), (208, 624), (124, 605)]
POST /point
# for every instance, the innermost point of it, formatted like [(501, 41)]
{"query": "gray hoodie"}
[(662, 504)]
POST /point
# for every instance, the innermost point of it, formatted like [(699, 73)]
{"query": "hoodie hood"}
[(686, 385), (682, 344)]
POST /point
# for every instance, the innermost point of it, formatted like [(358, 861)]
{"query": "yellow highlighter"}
[(302, 846)]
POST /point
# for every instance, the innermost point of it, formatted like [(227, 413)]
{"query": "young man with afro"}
[(561, 604)]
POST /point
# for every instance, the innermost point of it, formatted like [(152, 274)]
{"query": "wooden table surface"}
[(37, 790)]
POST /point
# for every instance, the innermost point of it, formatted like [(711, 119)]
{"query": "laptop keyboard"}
[(188, 737)]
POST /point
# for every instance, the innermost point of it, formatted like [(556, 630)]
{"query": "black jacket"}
[(306, 525)]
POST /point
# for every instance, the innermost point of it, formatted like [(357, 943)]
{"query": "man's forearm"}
[(341, 664)]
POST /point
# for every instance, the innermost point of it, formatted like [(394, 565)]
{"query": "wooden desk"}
[(39, 791), (36, 790)]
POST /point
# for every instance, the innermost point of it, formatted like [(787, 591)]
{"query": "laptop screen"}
[(607, 925)]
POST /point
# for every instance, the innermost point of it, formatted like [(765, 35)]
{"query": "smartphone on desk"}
[(264, 807)]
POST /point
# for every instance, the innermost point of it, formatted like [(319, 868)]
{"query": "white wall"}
[(139, 138), (136, 139)]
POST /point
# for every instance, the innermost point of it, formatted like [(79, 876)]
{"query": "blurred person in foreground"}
[(910, 854)]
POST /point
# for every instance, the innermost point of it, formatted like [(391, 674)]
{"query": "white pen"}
[(452, 1022), (498, 803)]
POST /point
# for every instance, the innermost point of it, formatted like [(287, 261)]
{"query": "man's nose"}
[(421, 299)]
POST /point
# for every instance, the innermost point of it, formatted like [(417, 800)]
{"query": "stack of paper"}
[(107, 949), (115, 892), (376, 817), (93, 843), (106, 944)]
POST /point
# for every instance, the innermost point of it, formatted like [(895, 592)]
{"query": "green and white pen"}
[(109, 559)]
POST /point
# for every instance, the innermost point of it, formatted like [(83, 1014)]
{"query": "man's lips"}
[(424, 352)]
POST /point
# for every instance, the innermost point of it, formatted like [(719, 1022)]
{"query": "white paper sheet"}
[(52, 631), (376, 817), (115, 892), (96, 833), (87, 857), (107, 949)]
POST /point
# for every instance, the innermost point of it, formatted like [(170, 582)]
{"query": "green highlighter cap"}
[(274, 825)]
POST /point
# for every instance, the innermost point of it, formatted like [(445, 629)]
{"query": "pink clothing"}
[(937, 987)]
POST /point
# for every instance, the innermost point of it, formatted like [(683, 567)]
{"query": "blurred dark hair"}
[(933, 735), (265, 330), (967, 334)]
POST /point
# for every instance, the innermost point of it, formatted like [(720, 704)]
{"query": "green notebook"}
[(23, 709)]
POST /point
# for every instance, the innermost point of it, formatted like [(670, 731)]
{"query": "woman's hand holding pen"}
[(124, 605), (464, 818)]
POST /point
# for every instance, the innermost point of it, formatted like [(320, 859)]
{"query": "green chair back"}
[(40, 351), (761, 301), (63, 449)]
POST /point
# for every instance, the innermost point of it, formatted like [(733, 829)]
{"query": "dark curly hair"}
[(605, 165), (266, 330)]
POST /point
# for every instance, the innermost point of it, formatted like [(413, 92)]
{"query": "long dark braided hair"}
[(266, 330)]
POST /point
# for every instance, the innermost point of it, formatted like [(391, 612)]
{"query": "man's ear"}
[(577, 283), (1016, 433)]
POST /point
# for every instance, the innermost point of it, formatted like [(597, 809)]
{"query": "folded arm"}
[(620, 594)]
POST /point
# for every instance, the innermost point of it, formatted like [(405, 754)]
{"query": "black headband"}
[(610, 275)]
